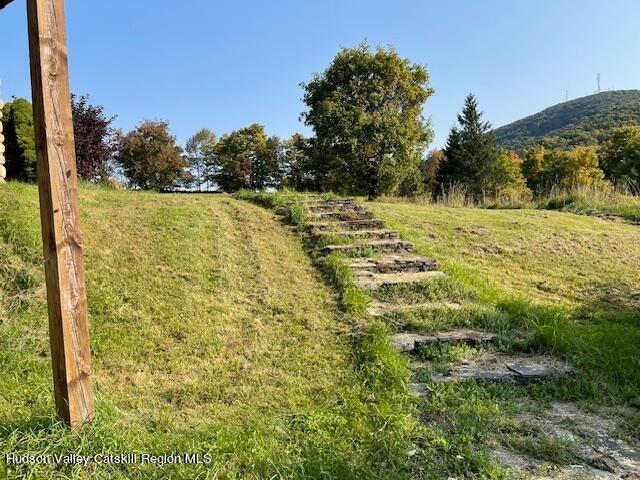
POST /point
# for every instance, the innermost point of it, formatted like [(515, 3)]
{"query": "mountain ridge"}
[(582, 121)]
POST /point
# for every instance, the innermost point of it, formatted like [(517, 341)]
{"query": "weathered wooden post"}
[(3, 170), (59, 212)]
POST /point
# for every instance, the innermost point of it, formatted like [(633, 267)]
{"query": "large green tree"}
[(245, 158), (473, 158), (621, 156), (366, 112), (151, 159), (19, 140)]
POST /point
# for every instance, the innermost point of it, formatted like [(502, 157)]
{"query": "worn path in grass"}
[(211, 333), (546, 283)]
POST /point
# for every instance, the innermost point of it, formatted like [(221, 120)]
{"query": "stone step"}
[(379, 309), (408, 342), (381, 234), (329, 201), (394, 263), (331, 204), (336, 209), (395, 246), (374, 281), (343, 215), (497, 367), (369, 224)]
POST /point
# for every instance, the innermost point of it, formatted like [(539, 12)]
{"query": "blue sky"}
[(225, 65)]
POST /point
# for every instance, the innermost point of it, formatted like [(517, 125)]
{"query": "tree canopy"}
[(151, 159), (94, 138), (245, 158), (366, 112), (547, 168), (202, 142), (621, 156)]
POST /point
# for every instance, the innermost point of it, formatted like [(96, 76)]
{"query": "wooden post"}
[(59, 213)]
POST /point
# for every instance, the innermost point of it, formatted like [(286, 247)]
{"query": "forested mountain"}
[(584, 121)]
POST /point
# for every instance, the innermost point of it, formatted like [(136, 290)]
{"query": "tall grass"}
[(602, 199), (594, 200), (297, 216), (354, 301)]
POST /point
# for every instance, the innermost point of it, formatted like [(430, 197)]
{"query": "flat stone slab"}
[(379, 309), (395, 263), (343, 215), (374, 281), (379, 234), (329, 201), (334, 207), (374, 245), (514, 369), (408, 342), (370, 224)]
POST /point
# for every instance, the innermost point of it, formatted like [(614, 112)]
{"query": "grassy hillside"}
[(211, 333), (573, 278), (548, 283), (583, 121)]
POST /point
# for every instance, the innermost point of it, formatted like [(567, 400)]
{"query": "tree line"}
[(473, 160), (369, 138)]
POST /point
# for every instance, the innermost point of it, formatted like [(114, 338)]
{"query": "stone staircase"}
[(380, 260)]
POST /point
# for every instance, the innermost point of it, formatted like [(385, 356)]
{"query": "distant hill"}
[(583, 121)]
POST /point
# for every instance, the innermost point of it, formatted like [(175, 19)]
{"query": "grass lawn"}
[(211, 333), (547, 282)]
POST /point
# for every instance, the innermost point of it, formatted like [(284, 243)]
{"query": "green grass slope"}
[(550, 283), (583, 121), (572, 278), (211, 333)]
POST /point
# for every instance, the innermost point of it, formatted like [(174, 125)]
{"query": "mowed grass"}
[(546, 282), (211, 333), (573, 279)]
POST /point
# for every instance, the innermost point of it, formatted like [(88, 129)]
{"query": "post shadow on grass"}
[(37, 423)]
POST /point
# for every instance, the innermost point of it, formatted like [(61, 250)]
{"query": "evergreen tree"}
[(471, 152), (20, 147)]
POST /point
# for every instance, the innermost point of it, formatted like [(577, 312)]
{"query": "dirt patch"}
[(494, 367), (599, 451), (167, 270), (475, 230), (526, 467)]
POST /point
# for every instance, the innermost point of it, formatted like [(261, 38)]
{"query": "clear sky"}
[(227, 64)]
